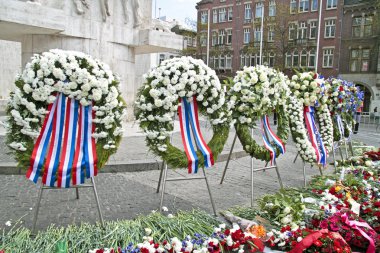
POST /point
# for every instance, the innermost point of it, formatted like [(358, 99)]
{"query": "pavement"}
[(127, 193)]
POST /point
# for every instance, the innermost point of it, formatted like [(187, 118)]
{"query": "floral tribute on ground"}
[(308, 105), (256, 93), (185, 86), (65, 117), (336, 213)]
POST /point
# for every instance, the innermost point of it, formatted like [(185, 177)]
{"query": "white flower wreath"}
[(309, 90), (76, 75), (158, 100), (256, 92)]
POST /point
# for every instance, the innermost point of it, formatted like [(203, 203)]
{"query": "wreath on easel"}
[(308, 105), (256, 93), (65, 116), (185, 86)]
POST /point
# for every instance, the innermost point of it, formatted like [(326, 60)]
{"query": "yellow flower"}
[(338, 188), (348, 195)]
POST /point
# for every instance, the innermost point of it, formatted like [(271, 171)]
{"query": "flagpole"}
[(262, 35), (208, 36), (319, 36)]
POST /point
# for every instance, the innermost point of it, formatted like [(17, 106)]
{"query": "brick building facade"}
[(290, 34)]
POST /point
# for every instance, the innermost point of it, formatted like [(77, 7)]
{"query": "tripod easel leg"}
[(209, 191), (295, 159), (97, 202), (163, 185), (304, 174), (37, 209), (351, 148), (252, 188), (279, 176), (228, 159), (340, 152), (77, 192), (160, 179)]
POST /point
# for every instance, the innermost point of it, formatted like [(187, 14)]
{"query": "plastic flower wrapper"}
[(355, 231)]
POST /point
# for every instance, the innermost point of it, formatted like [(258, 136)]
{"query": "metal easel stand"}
[(164, 178), (253, 170), (43, 187), (304, 169)]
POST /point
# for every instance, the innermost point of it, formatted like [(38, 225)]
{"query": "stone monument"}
[(119, 32)]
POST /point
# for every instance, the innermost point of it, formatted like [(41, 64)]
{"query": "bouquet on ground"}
[(355, 231), (307, 240)]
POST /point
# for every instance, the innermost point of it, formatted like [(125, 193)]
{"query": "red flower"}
[(227, 232), (100, 251), (318, 243), (144, 250), (315, 76), (377, 204)]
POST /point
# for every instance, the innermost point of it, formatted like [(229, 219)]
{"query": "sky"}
[(176, 9)]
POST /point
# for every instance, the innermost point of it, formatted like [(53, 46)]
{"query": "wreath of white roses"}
[(309, 90), (78, 76), (258, 91), (158, 100)]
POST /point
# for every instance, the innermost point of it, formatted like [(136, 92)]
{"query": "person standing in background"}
[(357, 117)]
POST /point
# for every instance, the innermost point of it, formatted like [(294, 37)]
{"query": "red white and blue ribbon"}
[(184, 123), (268, 134), (52, 160), (41, 145), (79, 161), (188, 118), (314, 135), (68, 148), (340, 125), (192, 107), (65, 145)]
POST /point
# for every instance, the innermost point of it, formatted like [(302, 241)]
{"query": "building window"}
[(222, 15), (331, 4), (271, 33), (293, 6), (228, 62), (216, 62), (204, 17), (247, 35), (313, 30), (359, 60), (271, 59), (302, 30), (253, 59), (222, 62), (303, 58), (257, 33), (259, 10), (304, 6), (368, 20), (288, 60), (295, 59), (229, 36), (222, 34), (330, 28), (311, 59), (214, 40), (215, 16), (314, 5), (292, 31), (328, 57), (230, 14), (203, 40), (272, 8), (247, 12)]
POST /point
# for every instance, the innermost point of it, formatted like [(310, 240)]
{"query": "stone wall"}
[(10, 65)]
